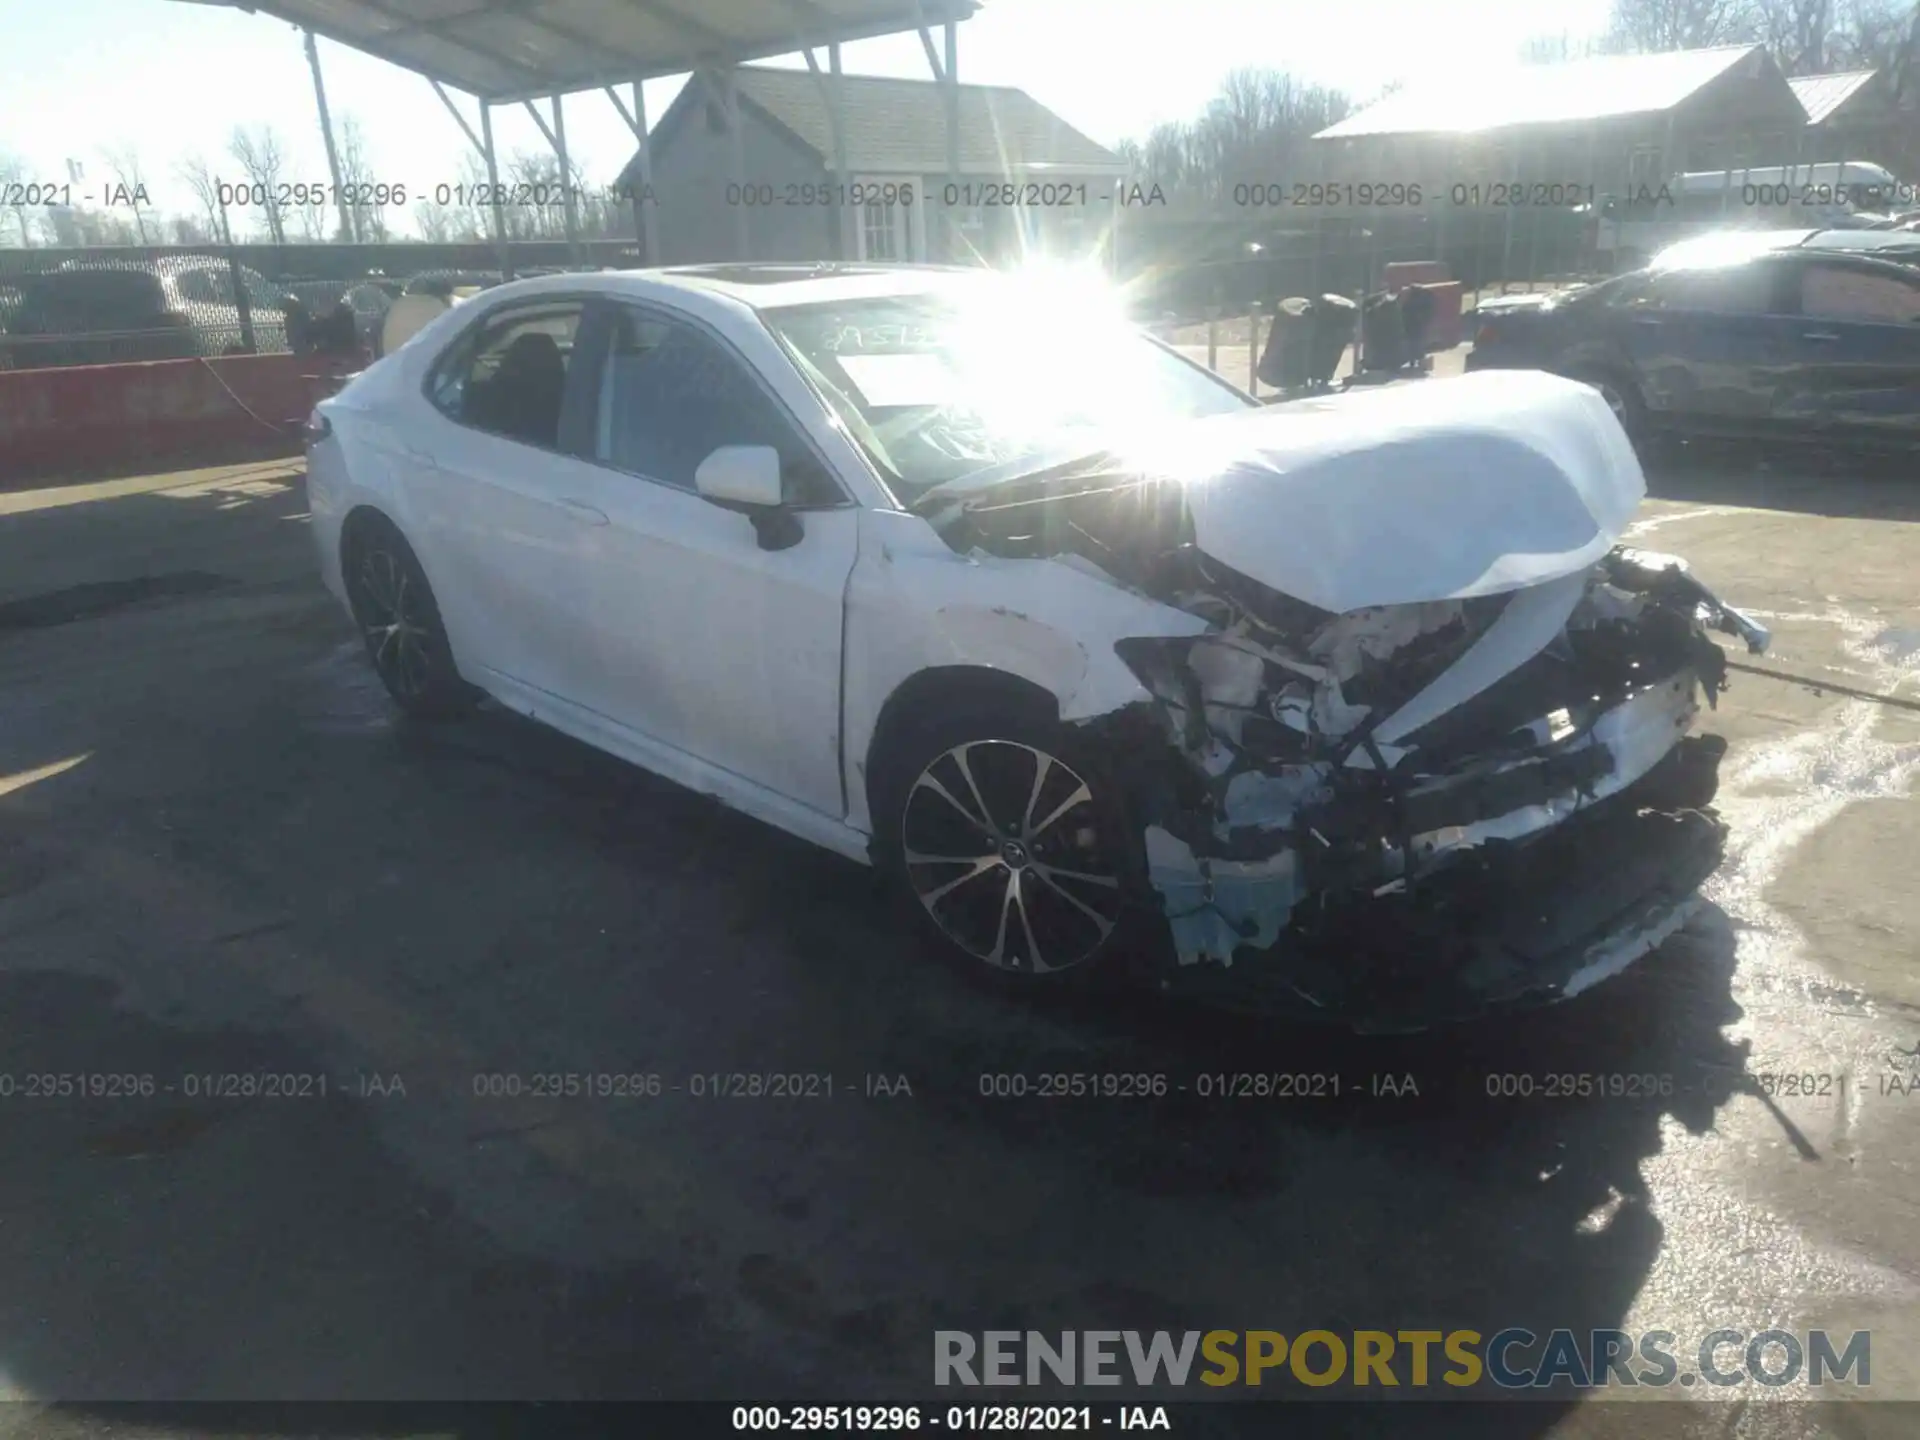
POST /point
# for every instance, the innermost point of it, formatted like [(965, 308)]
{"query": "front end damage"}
[(1378, 789), (1401, 813)]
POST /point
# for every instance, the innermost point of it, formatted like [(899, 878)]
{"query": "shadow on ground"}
[(1804, 478)]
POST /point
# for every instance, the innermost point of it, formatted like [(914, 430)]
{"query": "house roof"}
[(1821, 95), (1591, 89), (899, 127), (520, 49)]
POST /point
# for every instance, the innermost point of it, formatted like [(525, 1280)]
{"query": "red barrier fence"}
[(160, 414)]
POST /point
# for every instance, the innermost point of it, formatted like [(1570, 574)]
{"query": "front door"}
[(706, 641), (1859, 324)]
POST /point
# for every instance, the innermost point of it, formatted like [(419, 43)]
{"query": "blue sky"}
[(78, 77)]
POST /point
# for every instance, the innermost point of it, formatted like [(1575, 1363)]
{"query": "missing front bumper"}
[(1513, 925)]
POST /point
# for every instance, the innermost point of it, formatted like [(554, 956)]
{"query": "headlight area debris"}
[(1351, 780)]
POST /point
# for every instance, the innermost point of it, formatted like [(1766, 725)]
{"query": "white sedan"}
[(961, 575)]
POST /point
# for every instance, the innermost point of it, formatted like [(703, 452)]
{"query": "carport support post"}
[(568, 208), (493, 188), (849, 218), (837, 221), (1506, 241), (644, 224), (348, 231), (951, 213), (736, 162)]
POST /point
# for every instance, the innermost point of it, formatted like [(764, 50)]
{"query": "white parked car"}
[(1356, 701)]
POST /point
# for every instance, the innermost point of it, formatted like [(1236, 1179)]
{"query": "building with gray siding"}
[(786, 186)]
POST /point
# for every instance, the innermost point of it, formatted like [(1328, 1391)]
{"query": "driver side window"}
[(670, 396)]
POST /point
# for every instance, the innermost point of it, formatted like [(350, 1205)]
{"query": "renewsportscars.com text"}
[(1510, 1359)]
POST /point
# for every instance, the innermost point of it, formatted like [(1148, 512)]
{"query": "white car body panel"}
[(914, 605), (1443, 490)]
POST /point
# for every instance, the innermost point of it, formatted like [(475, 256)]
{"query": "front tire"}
[(1004, 834), (399, 621)]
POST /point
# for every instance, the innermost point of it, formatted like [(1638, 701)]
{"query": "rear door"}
[(1706, 343), (1858, 322), (505, 526)]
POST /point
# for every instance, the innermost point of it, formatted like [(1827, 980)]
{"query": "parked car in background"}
[(427, 296), (205, 288), (202, 288), (94, 315), (1738, 335)]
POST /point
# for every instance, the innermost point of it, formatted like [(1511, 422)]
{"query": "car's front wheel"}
[(400, 622), (1008, 838)]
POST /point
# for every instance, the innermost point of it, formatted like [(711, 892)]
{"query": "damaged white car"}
[(1355, 705)]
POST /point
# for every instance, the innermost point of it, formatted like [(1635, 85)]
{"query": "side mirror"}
[(741, 475), (747, 478)]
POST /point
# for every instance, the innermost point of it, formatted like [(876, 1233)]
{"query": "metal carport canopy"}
[(504, 51)]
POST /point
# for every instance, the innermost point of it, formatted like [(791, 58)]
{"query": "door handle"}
[(1821, 335), (1653, 320), (586, 514)]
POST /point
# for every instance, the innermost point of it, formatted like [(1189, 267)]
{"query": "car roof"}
[(758, 287), (776, 286), (1863, 241)]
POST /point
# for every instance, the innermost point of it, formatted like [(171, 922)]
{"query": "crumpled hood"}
[(1431, 490)]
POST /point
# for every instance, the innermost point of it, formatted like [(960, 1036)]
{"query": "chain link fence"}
[(62, 307)]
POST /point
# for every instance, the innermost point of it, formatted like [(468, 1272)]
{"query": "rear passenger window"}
[(510, 378), (1723, 289), (1840, 292)]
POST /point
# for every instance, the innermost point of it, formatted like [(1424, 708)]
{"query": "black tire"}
[(399, 621), (1064, 862)]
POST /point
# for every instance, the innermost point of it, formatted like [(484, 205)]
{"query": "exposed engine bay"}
[(1318, 773)]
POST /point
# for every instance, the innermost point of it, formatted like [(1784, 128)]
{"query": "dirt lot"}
[(221, 855)]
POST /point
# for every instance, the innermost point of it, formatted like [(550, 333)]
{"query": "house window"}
[(879, 231)]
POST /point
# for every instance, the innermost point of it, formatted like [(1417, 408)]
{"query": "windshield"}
[(935, 390)]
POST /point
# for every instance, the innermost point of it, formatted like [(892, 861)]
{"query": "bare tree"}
[(434, 221), (258, 154), (1796, 32), (1558, 49), (356, 174), (190, 230), (123, 161), (1253, 132), (1652, 26), (311, 213), (1872, 35), (197, 176), (13, 176)]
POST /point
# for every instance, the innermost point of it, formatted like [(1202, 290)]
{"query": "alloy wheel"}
[(1005, 851), (401, 631)]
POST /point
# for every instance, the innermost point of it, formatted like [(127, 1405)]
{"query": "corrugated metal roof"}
[(1821, 95), (520, 49), (899, 127), (1545, 94)]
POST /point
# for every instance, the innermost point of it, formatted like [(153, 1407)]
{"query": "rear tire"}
[(1004, 833), (399, 621)]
